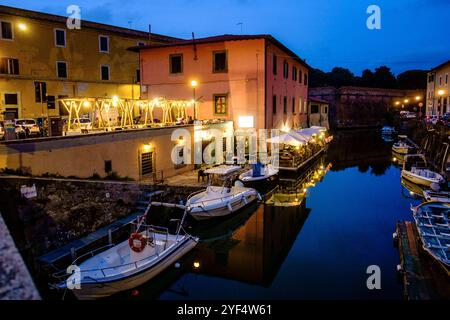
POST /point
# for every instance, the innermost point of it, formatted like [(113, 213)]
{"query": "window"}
[(6, 30), (176, 63), (103, 43), (305, 106), (11, 99), (220, 63), (141, 44), (325, 109), (40, 91), (440, 80), (61, 69), (138, 76), (275, 65), (146, 163), (220, 104), (300, 76), (9, 66), (104, 72), (431, 77), (60, 37), (285, 105), (274, 104), (294, 73), (108, 166), (299, 105), (314, 108), (293, 104), (51, 102), (286, 70), (305, 81)]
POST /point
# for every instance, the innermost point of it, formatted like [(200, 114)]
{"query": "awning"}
[(292, 139)]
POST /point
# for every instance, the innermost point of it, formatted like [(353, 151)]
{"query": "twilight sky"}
[(415, 34)]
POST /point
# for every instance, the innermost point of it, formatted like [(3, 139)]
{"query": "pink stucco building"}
[(253, 80)]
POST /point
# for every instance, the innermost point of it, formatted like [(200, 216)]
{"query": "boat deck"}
[(422, 277)]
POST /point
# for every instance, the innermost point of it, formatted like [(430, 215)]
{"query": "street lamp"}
[(194, 84)]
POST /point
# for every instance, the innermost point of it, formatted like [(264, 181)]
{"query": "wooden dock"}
[(422, 277)]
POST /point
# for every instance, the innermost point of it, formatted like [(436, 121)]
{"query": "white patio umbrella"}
[(321, 129), (288, 138)]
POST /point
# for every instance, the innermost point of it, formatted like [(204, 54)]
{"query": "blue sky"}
[(414, 33)]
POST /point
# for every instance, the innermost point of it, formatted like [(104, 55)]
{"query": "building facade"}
[(42, 60), (438, 93), (366, 107), (252, 80), (318, 110)]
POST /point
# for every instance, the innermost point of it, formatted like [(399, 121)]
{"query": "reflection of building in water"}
[(365, 150), (255, 252), (292, 190)]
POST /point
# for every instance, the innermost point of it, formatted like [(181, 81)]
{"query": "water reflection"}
[(364, 149)]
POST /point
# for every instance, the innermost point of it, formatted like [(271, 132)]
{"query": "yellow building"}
[(438, 90), (43, 60)]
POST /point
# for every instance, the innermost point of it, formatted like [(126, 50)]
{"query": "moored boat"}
[(388, 130), (420, 174), (220, 201), (124, 266), (440, 196), (432, 221), (264, 180)]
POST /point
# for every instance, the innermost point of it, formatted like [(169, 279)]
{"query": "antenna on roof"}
[(195, 46), (149, 32), (240, 24)]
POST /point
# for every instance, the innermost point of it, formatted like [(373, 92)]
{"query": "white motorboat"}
[(433, 223), (387, 130), (439, 196), (220, 201), (402, 146), (420, 174), (265, 180), (128, 264)]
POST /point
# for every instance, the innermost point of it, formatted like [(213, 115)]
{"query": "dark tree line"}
[(381, 77)]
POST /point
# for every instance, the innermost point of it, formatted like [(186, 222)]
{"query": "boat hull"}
[(262, 185), (90, 291), (400, 150), (419, 179), (200, 214)]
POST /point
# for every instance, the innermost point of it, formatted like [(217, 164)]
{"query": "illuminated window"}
[(9, 66), (146, 163), (220, 104), (293, 105)]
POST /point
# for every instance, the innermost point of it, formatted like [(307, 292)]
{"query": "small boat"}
[(388, 130), (433, 223), (439, 196), (420, 174), (220, 201), (402, 146), (148, 251), (261, 180)]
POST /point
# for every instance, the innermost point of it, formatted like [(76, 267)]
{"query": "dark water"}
[(319, 249)]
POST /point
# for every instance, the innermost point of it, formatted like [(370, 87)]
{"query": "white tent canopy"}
[(288, 138)]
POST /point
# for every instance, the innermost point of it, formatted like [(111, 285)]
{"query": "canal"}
[(318, 249)]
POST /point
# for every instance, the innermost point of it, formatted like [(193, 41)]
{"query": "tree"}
[(339, 77), (367, 78), (384, 78), (412, 79), (318, 78)]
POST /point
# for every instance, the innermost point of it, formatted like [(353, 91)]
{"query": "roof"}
[(84, 23), (317, 100), (222, 38), (441, 65)]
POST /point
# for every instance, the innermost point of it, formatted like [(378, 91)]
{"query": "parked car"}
[(27, 128), (2, 131), (85, 124)]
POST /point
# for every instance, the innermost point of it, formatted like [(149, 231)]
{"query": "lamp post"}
[(194, 84)]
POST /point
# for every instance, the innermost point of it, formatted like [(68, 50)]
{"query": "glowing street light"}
[(406, 101), (418, 98), (441, 92), (397, 103), (194, 84)]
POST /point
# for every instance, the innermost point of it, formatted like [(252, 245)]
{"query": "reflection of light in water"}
[(196, 264)]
